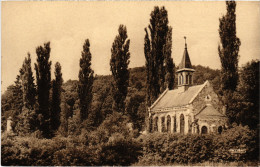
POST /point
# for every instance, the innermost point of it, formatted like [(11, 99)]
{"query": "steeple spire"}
[(185, 42), (185, 71), (185, 62)]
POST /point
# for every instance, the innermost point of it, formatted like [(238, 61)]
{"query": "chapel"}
[(189, 108)]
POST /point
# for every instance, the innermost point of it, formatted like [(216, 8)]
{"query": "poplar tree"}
[(43, 78), (228, 53), (119, 67), (168, 62), (229, 48), (28, 86), (27, 118), (56, 98), (85, 82), (157, 50)]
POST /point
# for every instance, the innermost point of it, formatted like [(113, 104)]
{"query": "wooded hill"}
[(102, 97)]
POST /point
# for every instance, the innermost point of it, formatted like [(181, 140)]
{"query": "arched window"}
[(190, 79), (156, 124), (220, 129), (204, 130), (187, 79), (168, 124), (189, 124), (182, 82), (182, 123), (174, 123), (163, 124), (150, 124), (179, 80)]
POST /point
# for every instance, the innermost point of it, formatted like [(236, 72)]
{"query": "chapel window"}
[(168, 123), (156, 124), (163, 124), (174, 124), (182, 124), (190, 79)]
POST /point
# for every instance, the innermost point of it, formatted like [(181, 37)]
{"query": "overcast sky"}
[(26, 25)]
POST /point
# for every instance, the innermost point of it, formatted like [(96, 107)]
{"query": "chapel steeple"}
[(185, 72)]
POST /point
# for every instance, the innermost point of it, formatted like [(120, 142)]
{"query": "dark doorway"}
[(220, 129), (182, 122), (204, 130)]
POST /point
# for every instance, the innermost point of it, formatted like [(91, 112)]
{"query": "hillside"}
[(102, 97)]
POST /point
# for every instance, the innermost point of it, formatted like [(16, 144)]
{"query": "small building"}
[(189, 108)]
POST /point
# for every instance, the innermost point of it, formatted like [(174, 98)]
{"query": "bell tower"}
[(185, 72)]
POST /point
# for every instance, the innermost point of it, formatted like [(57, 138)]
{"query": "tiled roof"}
[(209, 111), (175, 98)]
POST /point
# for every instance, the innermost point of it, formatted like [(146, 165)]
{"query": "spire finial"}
[(185, 42)]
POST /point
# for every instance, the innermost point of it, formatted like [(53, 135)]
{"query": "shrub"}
[(165, 149), (238, 137), (120, 150), (176, 148)]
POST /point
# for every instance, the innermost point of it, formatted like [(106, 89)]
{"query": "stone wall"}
[(199, 102)]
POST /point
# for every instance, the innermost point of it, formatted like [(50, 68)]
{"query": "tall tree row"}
[(56, 98), (157, 50), (85, 81), (228, 53), (119, 67), (43, 80)]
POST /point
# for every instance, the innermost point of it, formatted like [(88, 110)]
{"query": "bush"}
[(26, 151), (120, 151), (176, 148), (238, 137), (165, 149), (108, 147)]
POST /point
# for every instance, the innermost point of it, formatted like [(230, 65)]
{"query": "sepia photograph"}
[(130, 83)]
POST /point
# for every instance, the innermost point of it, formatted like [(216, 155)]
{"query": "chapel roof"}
[(176, 97), (209, 112)]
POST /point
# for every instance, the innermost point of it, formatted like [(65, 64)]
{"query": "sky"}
[(26, 25)]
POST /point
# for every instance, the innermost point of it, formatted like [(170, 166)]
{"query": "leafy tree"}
[(133, 106), (229, 48), (43, 76), (85, 81), (27, 122), (119, 67), (56, 98), (12, 103), (244, 108), (63, 129), (157, 50)]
